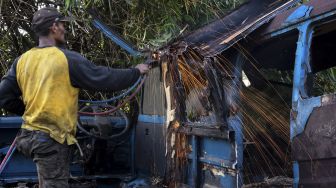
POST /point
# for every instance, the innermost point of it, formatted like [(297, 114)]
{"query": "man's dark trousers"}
[(52, 159)]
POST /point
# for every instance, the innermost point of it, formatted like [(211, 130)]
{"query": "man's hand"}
[(143, 68)]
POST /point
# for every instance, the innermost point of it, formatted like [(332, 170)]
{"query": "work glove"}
[(143, 68)]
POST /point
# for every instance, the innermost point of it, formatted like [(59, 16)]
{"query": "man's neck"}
[(46, 41)]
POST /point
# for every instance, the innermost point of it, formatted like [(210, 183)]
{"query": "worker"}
[(42, 85)]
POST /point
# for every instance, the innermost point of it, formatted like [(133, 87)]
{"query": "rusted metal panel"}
[(328, 99), (279, 22), (314, 149), (205, 131), (319, 137), (317, 173), (223, 33)]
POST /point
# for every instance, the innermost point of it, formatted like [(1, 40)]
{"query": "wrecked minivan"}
[(245, 101)]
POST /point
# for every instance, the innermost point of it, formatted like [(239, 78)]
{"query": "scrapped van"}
[(248, 100), (300, 43)]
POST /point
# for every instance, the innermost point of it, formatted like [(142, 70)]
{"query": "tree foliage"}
[(147, 24)]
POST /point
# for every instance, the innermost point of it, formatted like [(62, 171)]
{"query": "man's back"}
[(50, 99)]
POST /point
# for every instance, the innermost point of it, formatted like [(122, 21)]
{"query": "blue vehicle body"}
[(308, 111), (215, 160)]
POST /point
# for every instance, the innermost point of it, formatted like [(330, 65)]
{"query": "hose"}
[(114, 98), (127, 126), (119, 105), (8, 156)]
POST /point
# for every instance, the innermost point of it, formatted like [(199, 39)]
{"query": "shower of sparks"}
[(266, 119)]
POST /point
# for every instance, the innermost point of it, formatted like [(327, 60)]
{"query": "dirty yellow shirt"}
[(50, 99)]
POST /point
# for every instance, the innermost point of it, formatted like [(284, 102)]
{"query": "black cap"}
[(46, 17)]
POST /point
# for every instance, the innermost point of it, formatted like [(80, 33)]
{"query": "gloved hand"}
[(143, 68)]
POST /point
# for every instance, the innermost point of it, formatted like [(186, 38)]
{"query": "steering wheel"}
[(103, 126)]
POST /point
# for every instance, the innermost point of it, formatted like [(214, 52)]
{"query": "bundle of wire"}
[(139, 85)]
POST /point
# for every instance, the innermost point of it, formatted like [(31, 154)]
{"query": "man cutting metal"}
[(43, 84)]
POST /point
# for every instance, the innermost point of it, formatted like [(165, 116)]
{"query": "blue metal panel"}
[(218, 151), (220, 157), (149, 145), (314, 21), (133, 152), (301, 105), (302, 65), (11, 150), (152, 119), (217, 162), (20, 168), (194, 165), (300, 68), (236, 124), (4, 150), (304, 108), (16, 121), (10, 122), (296, 174), (300, 13)]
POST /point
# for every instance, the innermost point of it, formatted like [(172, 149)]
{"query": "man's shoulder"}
[(26, 53), (72, 55), (34, 50)]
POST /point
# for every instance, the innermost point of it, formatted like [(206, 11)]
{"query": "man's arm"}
[(10, 92), (86, 75)]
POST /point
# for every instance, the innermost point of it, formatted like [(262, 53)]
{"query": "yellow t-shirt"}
[(50, 99)]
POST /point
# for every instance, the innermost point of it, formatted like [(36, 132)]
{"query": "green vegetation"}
[(325, 82), (147, 24)]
